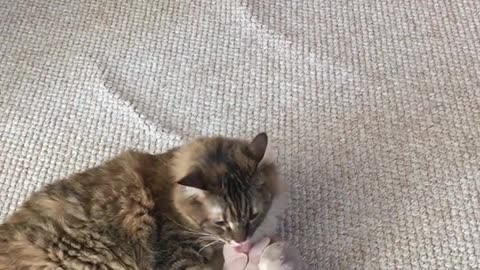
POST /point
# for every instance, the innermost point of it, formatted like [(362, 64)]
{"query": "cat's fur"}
[(143, 211)]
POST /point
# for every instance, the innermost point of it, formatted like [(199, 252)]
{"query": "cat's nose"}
[(240, 235)]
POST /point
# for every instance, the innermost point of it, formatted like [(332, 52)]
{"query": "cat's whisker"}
[(208, 245), (188, 229), (202, 236), (212, 239), (196, 233), (220, 240)]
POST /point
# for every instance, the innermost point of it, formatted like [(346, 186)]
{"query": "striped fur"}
[(132, 213)]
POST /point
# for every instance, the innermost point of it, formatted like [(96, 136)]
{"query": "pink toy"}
[(264, 255)]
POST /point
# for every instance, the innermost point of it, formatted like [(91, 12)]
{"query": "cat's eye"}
[(220, 223)]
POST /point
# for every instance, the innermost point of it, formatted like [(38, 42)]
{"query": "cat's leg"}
[(214, 263), (188, 265), (181, 258), (201, 267), (186, 261), (179, 250)]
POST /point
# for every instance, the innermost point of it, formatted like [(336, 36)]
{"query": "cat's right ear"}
[(193, 180), (258, 146)]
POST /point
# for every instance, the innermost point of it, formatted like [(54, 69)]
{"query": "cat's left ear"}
[(258, 146), (193, 180)]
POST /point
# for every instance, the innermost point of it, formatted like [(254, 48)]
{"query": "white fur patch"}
[(215, 212), (191, 191)]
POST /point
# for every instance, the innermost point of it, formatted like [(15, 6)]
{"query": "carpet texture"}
[(374, 108)]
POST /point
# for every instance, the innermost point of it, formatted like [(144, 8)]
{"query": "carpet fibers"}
[(373, 106)]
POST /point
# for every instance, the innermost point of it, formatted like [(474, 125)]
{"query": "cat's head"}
[(229, 188)]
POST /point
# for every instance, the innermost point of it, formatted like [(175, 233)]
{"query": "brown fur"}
[(130, 212), (98, 219)]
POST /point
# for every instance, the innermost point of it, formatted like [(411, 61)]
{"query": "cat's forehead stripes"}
[(219, 152), (228, 170), (237, 193), (228, 152)]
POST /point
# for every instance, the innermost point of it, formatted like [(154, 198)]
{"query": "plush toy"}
[(264, 255)]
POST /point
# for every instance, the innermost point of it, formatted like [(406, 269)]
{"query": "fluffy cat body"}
[(140, 211), (98, 219)]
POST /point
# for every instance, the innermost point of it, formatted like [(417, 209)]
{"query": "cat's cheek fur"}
[(269, 225), (279, 202)]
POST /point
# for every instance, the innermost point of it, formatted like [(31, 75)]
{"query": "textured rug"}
[(374, 107)]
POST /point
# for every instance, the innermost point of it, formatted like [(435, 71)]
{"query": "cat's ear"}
[(194, 180), (258, 146)]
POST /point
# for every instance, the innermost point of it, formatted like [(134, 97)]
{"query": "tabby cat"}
[(141, 211)]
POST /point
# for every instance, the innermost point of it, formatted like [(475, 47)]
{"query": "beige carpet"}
[(374, 107)]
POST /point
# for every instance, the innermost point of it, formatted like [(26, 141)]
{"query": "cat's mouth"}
[(243, 247)]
